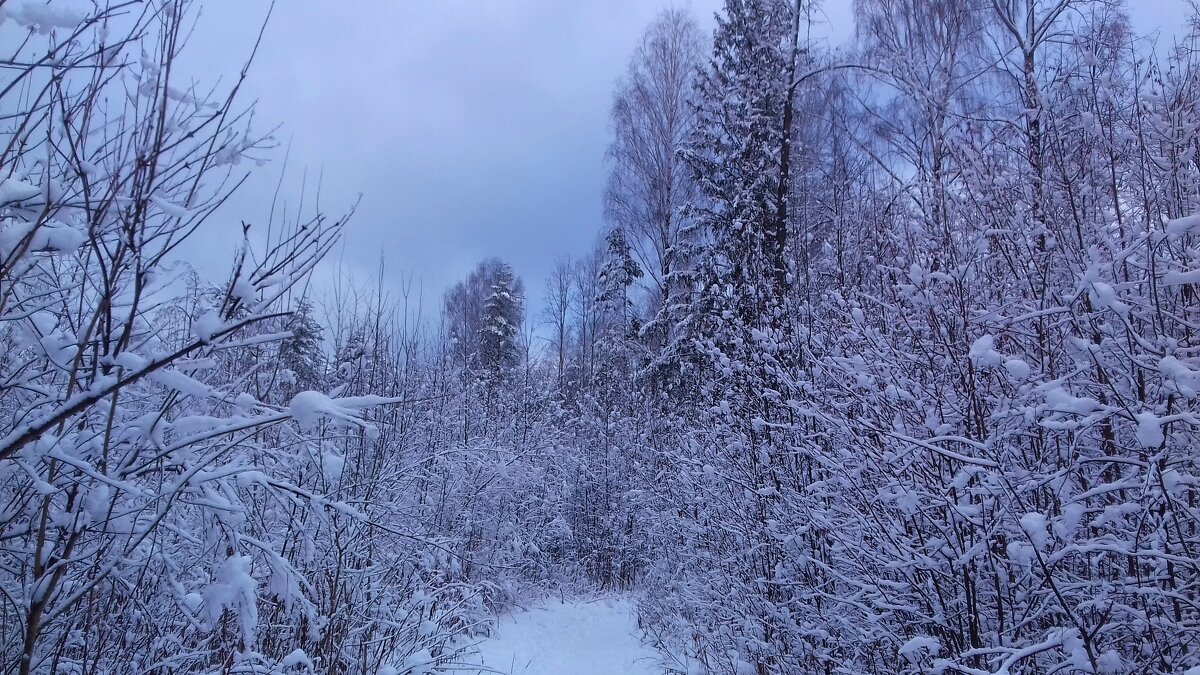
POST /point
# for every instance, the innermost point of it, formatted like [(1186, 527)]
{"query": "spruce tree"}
[(500, 329)]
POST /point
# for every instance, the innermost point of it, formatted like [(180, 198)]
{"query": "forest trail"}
[(570, 638)]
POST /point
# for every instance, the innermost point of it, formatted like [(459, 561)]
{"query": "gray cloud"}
[(470, 128)]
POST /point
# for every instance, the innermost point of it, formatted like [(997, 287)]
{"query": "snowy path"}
[(571, 638)]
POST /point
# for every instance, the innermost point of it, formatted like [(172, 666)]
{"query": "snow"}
[(912, 649), (709, 428), (1034, 525), (1017, 368), (243, 290), (332, 466), (1183, 375), (233, 587), (1181, 278), (1105, 296), (49, 236), (297, 659), (1182, 226), (575, 638), (206, 326), (1062, 401), (173, 379), (308, 408), (171, 209), (983, 352), (45, 17), (246, 402), (13, 190), (1149, 432)]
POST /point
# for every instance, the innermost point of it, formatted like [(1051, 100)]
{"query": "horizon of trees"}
[(886, 361)]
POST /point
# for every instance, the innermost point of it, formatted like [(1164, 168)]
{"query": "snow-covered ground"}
[(570, 638)]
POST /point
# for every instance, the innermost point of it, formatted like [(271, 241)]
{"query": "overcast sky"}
[(471, 128)]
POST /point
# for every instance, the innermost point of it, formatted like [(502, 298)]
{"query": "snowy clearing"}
[(599, 637)]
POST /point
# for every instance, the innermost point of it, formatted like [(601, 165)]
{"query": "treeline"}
[(883, 363), (915, 340), (256, 475), (232, 477)]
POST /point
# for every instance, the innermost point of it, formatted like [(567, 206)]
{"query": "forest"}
[(886, 361)]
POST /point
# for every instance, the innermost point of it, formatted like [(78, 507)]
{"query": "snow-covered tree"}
[(500, 325), (484, 315), (650, 186)]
